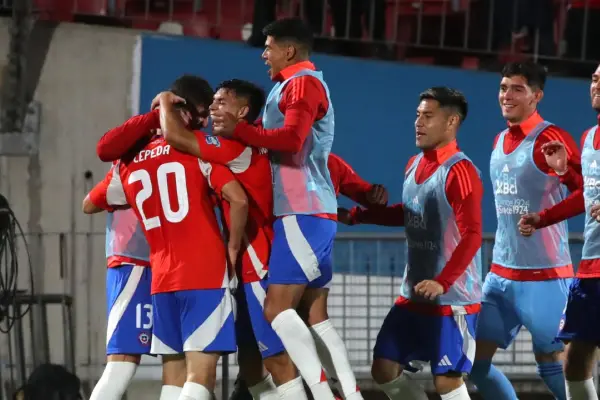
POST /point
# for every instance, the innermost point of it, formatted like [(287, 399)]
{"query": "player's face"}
[(225, 100), (595, 89), (199, 121), (275, 56), (432, 126), (517, 99)]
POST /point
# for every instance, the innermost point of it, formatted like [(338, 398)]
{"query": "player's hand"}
[(378, 195), (529, 223), (167, 97), (344, 216), (429, 289), (595, 212), (224, 123), (556, 156)]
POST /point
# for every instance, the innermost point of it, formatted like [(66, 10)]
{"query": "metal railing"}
[(488, 29), (368, 274)]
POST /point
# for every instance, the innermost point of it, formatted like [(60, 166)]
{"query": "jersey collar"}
[(292, 70)]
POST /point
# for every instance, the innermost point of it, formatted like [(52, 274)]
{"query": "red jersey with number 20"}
[(170, 196)]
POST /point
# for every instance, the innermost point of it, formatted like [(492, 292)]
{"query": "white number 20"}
[(163, 190)]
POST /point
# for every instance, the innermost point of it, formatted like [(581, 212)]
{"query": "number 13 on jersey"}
[(162, 173)]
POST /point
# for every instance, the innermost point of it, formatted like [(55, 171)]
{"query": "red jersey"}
[(225, 160), (346, 181), (171, 198)]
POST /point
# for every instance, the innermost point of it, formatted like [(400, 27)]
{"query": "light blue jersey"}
[(301, 181)]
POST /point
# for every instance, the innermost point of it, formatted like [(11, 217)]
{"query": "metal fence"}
[(368, 269), (393, 29)]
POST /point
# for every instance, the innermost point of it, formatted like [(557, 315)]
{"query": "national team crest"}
[(213, 140), (144, 338)]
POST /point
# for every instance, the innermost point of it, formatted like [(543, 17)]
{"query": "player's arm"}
[(301, 100), (222, 181), (96, 200), (464, 191), (353, 186), (555, 135), (118, 141)]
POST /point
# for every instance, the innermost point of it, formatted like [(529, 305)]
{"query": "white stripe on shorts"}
[(123, 300), (468, 347), (259, 293), (300, 248)]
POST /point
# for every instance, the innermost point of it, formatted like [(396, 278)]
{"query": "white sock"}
[(581, 390), (114, 381), (292, 390), (170, 392), (457, 394), (334, 357), (264, 390), (194, 391), (403, 388), (298, 342)]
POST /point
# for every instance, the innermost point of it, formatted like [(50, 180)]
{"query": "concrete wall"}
[(84, 90)]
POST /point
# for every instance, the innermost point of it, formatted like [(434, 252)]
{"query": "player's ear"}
[(243, 112)]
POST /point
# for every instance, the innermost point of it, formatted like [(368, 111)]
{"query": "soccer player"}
[(349, 184), (226, 160), (129, 305), (435, 316), (578, 327), (192, 303), (528, 281), (297, 128)]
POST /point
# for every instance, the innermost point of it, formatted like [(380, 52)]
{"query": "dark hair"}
[(194, 90), (253, 94), (535, 74), (292, 29), (51, 382), (448, 98)]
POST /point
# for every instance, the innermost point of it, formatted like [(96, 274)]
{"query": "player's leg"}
[(452, 339), (497, 326), (266, 346), (129, 328), (173, 376), (579, 329), (293, 265), (542, 307), (207, 331), (397, 345), (330, 346), (166, 342), (240, 389)]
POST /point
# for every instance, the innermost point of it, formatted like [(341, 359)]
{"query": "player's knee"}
[(174, 370), (448, 382), (251, 365), (384, 371), (202, 368)]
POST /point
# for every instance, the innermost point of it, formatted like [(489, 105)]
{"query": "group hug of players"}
[(181, 287)]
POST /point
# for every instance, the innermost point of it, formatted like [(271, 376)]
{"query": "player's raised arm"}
[(96, 200)]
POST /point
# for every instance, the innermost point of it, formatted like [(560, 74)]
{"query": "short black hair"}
[(448, 98), (194, 90), (253, 94), (292, 29), (534, 73)]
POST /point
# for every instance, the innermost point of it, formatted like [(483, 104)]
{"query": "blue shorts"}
[(508, 305), (302, 251), (129, 305), (446, 342), (252, 328), (581, 318), (193, 320)]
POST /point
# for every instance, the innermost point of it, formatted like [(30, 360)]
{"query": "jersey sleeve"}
[(217, 176), (348, 182), (464, 191), (109, 192), (218, 150), (301, 100)]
